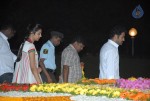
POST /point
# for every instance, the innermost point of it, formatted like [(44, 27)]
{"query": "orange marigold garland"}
[(136, 96), (98, 81), (56, 98)]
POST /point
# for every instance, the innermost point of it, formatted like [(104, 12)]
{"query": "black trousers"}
[(51, 74), (6, 77)]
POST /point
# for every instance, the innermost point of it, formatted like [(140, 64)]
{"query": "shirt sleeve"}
[(68, 58), (1, 43), (110, 69), (28, 47), (44, 52), (14, 57), (31, 50)]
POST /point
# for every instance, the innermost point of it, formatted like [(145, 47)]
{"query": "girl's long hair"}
[(31, 28)]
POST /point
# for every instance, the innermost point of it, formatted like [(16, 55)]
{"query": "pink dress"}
[(23, 73)]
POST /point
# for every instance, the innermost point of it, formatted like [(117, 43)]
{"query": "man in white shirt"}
[(109, 57), (7, 58)]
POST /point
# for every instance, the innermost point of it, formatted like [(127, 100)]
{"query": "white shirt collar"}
[(113, 43), (50, 43), (3, 36)]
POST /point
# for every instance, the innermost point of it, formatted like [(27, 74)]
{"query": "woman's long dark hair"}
[(31, 28)]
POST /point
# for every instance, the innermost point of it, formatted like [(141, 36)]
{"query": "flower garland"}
[(90, 90), (14, 87), (77, 89), (56, 98), (133, 83), (98, 81), (136, 96)]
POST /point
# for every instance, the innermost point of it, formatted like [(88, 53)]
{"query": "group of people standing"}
[(31, 68)]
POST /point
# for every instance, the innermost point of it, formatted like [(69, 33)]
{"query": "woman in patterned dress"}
[(26, 69)]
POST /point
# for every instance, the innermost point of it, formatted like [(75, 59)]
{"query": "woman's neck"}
[(30, 40)]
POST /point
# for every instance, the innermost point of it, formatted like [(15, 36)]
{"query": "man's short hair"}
[(118, 29), (56, 34), (6, 26), (78, 39)]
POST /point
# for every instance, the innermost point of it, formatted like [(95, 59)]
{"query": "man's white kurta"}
[(7, 58), (109, 61)]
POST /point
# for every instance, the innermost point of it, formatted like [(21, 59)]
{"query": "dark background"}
[(90, 18)]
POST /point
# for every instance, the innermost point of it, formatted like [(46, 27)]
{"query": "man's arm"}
[(1, 43), (65, 73), (14, 57), (49, 80)]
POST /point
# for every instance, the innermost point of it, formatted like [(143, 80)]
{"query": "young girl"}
[(26, 69)]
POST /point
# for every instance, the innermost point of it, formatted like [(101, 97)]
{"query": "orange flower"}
[(138, 96), (56, 98), (85, 80), (105, 81)]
